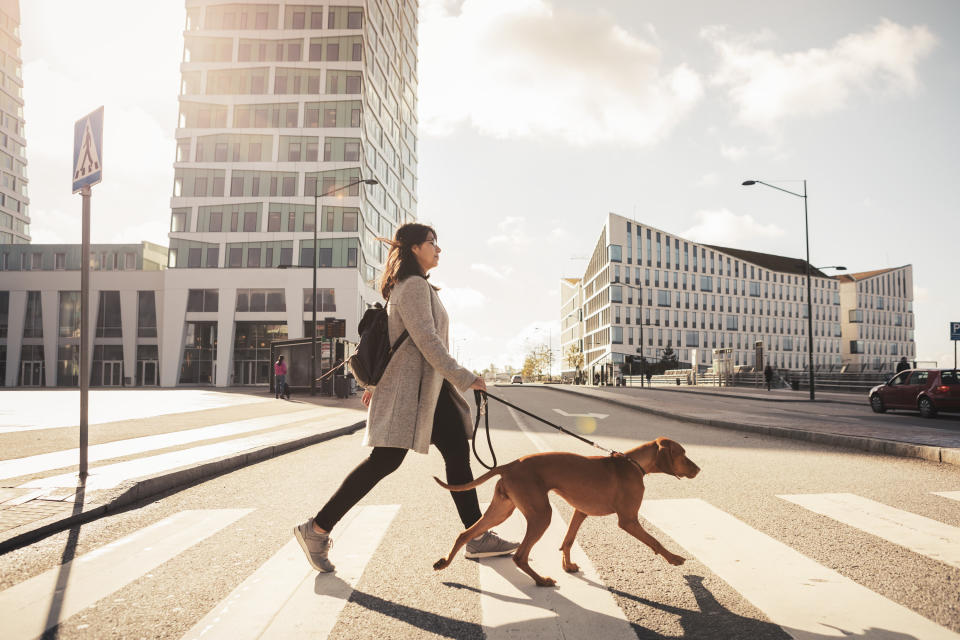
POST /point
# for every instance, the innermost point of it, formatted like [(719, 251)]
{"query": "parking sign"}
[(955, 330)]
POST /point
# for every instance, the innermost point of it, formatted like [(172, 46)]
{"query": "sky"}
[(539, 117)]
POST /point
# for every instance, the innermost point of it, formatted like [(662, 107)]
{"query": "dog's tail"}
[(470, 485)]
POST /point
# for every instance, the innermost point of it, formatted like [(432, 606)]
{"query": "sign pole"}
[(84, 328), (87, 171)]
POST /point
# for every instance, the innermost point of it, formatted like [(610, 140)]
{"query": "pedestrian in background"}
[(768, 376), (903, 365), (280, 377), (417, 402)]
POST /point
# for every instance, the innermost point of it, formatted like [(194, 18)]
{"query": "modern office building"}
[(645, 289), (877, 320), (281, 102), (14, 203), (40, 314)]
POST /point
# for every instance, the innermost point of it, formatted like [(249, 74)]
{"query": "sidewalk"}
[(939, 442), (155, 449)]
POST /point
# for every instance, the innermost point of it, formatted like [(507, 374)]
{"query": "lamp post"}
[(316, 254), (806, 268)]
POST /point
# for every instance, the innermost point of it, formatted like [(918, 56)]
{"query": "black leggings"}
[(448, 436)]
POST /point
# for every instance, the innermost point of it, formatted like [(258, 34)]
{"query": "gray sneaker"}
[(489, 545), (315, 545)]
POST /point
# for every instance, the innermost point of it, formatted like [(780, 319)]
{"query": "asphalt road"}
[(398, 594)]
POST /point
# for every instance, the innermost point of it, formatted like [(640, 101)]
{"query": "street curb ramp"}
[(113, 500)]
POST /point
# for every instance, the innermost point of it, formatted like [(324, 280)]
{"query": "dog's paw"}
[(442, 563), (546, 582), (675, 560), (572, 567)]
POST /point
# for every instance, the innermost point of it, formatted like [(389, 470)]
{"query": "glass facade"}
[(68, 365), (109, 323), (32, 369), (107, 370), (251, 351), (199, 353)]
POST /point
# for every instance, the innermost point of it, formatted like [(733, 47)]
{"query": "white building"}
[(279, 103), (14, 203), (645, 289), (877, 322)]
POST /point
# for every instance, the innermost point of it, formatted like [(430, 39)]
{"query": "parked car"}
[(516, 380), (928, 391)]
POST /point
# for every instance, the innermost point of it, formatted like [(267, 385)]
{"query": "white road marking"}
[(953, 495), (535, 437), (35, 605), (917, 533), (287, 598), (132, 446), (113, 475), (809, 601), (580, 606), (597, 416), (22, 411)]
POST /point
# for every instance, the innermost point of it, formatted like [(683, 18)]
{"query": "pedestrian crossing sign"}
[(88, 150)]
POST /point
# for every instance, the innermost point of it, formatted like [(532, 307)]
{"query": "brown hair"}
[(401, 262)]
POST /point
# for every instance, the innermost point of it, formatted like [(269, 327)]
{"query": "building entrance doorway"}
[(112, 373), (251, 372), (31, 373), (147, 373)]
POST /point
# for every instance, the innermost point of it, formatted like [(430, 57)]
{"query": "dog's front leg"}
[(575, 522), (632, 526)]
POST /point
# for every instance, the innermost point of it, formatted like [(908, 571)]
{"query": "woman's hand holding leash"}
[(479, 385)]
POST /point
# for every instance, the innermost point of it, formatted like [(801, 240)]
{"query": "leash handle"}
[(480, 397)]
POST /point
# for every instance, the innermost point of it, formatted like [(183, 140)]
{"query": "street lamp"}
[(806, 268), (316, 259)]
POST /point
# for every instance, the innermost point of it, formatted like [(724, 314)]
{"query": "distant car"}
[(516, 380), (928, 391)]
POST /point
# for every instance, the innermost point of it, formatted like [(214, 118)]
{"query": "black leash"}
[(481, 400)]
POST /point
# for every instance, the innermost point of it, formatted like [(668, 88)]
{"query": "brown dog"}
[(593, 485)]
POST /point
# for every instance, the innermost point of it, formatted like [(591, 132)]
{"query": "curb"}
[(726, 395), (153, 485), (947, 455)]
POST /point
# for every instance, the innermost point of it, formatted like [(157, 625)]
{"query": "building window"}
[(236, 257), (250, 221), (194, 257), (59, 261), (33, 321), (616, 253), (213, 257), (617, 334), (203, 300), (109, 323), (146, 315), (69, 323)]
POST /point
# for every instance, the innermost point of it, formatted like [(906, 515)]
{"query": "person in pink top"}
[(280, 375)]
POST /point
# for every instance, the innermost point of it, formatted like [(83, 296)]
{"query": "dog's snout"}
[(692, 469)]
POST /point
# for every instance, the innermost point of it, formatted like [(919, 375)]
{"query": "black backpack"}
[(374, 350)]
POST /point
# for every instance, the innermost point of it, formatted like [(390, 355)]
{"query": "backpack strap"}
[(396, 345)]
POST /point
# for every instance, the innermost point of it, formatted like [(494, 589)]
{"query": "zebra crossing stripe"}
[(514, 607), (953, 495), (132, 446), (286, 598), (113, 475), (917, 533), (35, 605), (809, 601)]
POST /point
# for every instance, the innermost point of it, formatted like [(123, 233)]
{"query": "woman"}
[(280, 376), (417, 402)]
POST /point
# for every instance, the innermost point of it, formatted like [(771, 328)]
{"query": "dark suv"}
[(925, 390)]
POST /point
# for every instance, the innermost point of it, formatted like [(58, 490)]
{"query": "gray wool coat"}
[(404, 400)]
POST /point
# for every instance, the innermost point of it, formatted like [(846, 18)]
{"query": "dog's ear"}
[(665, 455)]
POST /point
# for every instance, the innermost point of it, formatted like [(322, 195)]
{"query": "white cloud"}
[(722, 227), (460, 299), (523, 68), (708, 180), (512, 232), (493, 272), (732, 152), (767, 86)]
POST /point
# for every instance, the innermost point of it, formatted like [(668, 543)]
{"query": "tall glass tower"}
[(14, 203), (281, 102)]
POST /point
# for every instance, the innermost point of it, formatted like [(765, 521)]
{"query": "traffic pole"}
[(84, 327)]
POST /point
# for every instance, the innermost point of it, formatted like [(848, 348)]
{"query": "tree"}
[(536, 362), (669, 359), (574, 357)]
